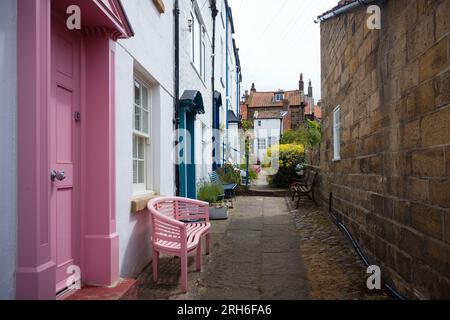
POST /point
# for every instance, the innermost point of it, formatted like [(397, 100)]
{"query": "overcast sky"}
[(278, 40)]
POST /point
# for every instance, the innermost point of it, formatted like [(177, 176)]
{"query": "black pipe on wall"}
[(214, 13), (176, 13), (392, 292)]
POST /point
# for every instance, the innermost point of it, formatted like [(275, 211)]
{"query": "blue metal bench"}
[(228, 188)]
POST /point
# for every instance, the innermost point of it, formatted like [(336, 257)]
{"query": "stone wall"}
[(392, 185)]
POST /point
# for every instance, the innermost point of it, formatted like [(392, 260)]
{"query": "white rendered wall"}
[(8, 145), (190, 78), (268, 128), (150, 55), (235, 143)]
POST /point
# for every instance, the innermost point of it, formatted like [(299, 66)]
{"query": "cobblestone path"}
[(334, 270)]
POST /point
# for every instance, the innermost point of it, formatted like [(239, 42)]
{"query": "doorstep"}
[(102, 293)]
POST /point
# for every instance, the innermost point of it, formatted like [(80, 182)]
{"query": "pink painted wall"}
[(35, 276), (101, 261)]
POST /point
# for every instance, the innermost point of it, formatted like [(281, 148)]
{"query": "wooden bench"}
[(228, 188), (296, 183), (307, 188), (178, 226)]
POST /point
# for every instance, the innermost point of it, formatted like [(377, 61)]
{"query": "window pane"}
[(145, 122), (137, 118), (135, 147), (197, 43), (137, 93), (141, 148), (204, 61), (135, 172), (145, 98), (193, 38), (141, 172)]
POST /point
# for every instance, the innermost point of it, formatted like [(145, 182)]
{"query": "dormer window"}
[(278, 96)]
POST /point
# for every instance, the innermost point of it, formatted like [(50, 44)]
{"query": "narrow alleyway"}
[(267, 250)]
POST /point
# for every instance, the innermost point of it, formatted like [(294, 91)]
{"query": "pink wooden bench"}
[(178, 226)]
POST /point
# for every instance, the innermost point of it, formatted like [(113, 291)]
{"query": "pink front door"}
[(64, 126)]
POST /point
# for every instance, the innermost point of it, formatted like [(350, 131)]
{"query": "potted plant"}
[(213, 194)]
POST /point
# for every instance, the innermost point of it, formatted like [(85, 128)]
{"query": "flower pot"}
[(218, 213)]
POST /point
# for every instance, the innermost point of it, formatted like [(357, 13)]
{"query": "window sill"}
[(336, 159), (140, 201), (159, 4), (198, 74)]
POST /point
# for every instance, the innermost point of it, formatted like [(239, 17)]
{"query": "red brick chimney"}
[(244, 110), (287, 117), (301, 83)]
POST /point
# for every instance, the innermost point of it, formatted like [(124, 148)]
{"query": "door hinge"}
[(77, 116)]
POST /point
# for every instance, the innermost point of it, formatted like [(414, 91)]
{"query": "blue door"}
[(188, 185)]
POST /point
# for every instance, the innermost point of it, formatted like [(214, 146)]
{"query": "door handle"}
[(57, 175)]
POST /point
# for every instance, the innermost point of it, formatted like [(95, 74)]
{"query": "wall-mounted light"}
[(190, 22)]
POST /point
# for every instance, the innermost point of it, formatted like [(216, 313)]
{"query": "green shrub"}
[(229, 175), (209, 192), (252, 174), (309, 135), (289, 157)]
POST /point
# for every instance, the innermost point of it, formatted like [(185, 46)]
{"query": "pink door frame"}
[(35, 273)]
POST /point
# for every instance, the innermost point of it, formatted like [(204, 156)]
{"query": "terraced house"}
[(384, 156), (88, 131)]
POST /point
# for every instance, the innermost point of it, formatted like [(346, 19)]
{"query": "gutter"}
[(342, 10), (176, 12)]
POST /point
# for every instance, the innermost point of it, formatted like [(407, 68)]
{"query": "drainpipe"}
[(342, 10), (338, 221), (237, 90), (214, 12), (227, 83), (176, 12)]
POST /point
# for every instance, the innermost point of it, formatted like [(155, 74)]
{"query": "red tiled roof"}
[(269, 115), (265, 99), (317, 110)]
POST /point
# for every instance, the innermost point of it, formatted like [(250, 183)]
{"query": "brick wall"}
[(392, 186)]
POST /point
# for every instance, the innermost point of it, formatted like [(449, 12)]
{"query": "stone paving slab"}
[(282, 263), (260, 255), (277, 244), (284, 287)]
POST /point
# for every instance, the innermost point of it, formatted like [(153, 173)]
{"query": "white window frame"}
[(337, 133), (204, 151), (203, 55), (277, 97), (144, 137), (222, 61), (262, 144), (193, 33), (222, 13)]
